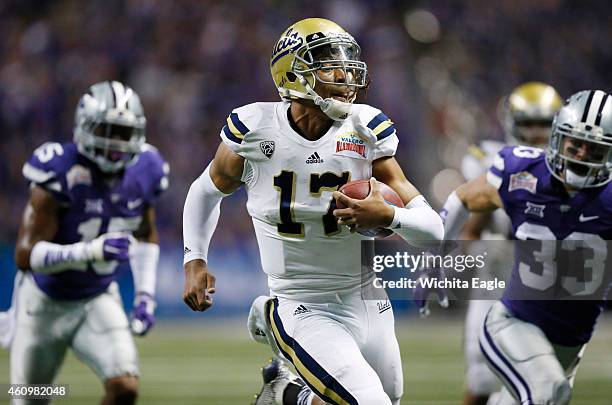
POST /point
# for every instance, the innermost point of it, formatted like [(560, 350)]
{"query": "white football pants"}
[(532, 369), (480, 380), (345, 349), (95, 328)]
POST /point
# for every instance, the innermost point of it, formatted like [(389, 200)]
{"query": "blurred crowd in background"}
[(438, 69)]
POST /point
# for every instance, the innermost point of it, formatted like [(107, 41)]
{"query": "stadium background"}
[(438, 69)]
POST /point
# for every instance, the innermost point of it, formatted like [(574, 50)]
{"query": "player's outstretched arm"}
[(476, 196), (200, 215), (38, 227), (417, 221)]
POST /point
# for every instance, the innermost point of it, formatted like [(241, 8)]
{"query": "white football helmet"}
[(580, 149), (109, 126)]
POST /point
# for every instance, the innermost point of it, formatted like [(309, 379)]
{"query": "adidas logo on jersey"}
[(300, 310), (314, 158)]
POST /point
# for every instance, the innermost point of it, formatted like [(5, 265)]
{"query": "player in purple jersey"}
[(528, 112), (531, 342), (90, 208)]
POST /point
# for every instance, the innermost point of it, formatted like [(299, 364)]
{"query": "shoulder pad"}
[(606, 196), (152, 171), (479, 158), (518, 158), (48, 165), (473, 163), (476, 152), (372, 123), (491, 147), (514, 160), (48, 160), (246, 119)]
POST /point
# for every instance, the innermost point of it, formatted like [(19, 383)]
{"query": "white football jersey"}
[(289, 182), (479, 158)]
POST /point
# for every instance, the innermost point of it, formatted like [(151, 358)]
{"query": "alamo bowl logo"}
[(78, 175), (267, 148), (523, 181), (350, 144)]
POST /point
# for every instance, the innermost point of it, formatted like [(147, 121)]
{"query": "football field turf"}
[(209, 362)]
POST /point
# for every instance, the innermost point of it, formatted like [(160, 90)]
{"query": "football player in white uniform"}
[(292, 156), (527, 118), (89, 200)]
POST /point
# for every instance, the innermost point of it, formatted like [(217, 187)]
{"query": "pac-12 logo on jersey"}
[(267, 148)]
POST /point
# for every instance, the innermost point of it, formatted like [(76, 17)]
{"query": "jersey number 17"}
[(285, 184)]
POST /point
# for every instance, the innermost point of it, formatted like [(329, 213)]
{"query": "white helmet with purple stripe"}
[(109, 125), (580, 149)]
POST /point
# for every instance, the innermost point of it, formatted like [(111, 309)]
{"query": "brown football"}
[(359, 190)]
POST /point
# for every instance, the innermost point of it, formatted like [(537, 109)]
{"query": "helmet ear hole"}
[(291, 77)]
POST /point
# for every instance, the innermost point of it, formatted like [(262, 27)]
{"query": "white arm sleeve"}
[(200, 216), (417, 221), (143, 261), (48, 257), (454, 215)]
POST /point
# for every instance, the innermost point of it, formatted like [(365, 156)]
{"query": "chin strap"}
[(334, 109)]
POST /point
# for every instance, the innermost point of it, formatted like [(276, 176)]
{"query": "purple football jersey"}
[(91, 207), (542, 210)]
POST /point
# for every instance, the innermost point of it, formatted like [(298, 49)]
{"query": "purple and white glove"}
[(425, 285), (142, 314), (113, 246)]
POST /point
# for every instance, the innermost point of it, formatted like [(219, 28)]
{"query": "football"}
[(359, 190)]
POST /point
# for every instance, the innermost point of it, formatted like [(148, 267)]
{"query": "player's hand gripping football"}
[(143, 317), (199, 286), (369, 213)]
